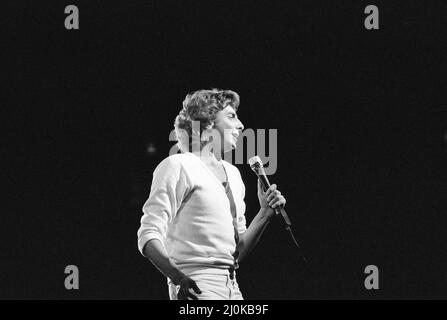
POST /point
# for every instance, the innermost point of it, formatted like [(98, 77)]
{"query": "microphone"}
[(258, 168)]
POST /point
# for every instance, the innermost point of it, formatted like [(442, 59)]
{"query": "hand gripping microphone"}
[(258, 168)]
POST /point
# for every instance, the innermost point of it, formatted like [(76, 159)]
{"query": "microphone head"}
[(256, 165), (255, 160)]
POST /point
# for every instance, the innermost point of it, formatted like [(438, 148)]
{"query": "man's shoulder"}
[(174, 161), (178, 157)]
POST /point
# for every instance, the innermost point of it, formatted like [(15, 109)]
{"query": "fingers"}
[(275, 198), (269, 190), (185, 293), (181, 294), (196, 288), (276, 203), (272, 193), (193, 297)]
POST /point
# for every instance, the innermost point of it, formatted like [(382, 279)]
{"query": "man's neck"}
[(209, 157)]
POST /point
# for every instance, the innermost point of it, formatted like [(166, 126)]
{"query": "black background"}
[(361, 140)]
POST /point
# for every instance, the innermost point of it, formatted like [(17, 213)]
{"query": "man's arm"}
[(169, 185), (249, 239), (156, 253), (268, 201)]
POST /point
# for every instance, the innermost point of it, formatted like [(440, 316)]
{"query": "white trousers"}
[(213, 287)]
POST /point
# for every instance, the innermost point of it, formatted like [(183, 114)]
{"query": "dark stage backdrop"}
[(361, 121)]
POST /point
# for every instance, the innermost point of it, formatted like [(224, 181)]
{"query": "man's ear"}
[(210, 133), (207, 132)]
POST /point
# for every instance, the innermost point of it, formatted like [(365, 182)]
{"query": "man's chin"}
[(230, 147)]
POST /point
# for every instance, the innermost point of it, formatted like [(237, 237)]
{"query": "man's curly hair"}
[(201, 106)]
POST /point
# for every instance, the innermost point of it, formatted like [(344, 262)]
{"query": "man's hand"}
[(187, 285), (270, 199)]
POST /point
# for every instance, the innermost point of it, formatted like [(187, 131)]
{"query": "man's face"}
[(229, 126)]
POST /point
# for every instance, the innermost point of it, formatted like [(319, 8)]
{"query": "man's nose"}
[(240, 126)]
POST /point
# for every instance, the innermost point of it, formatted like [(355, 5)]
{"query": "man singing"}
[(193, 228)]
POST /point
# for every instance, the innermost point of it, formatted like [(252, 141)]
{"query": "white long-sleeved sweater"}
[(189, 211)]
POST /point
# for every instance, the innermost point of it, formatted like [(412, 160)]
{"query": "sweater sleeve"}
[(169, 187)]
